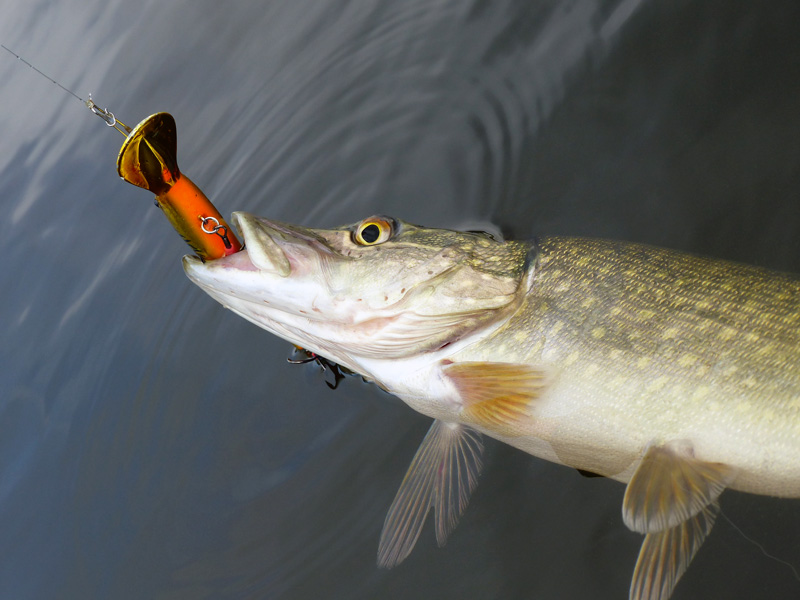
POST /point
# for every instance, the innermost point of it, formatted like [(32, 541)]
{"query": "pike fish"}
[(674, 374)]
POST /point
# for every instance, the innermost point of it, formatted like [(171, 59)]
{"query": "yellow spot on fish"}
[(678, 391), (727, 334), (670, 333), (765, 350), (701, 392), (537, 346), (591, 369), (644, 362), (657, 384), (558, 326), (619, 381), (646, 315), (588, 302), (572, 358), (743, 407), (521, 336), (598, 333), (687, 360)]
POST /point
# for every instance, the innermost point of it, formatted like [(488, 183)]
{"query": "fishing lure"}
[(148, 159)]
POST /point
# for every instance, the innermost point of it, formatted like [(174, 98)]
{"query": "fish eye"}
[(372, 231)]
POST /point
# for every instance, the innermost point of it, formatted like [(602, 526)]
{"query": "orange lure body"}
[(148, 159)]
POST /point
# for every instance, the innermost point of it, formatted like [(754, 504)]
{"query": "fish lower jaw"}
[(214, 274)]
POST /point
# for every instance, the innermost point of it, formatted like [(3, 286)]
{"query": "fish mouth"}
[(271, 248), (267, 248)]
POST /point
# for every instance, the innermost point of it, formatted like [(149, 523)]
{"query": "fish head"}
[(380, 288)]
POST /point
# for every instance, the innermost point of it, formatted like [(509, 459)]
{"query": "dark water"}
[(154, 446)]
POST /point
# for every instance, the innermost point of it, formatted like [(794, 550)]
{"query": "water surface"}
[(155, 446)]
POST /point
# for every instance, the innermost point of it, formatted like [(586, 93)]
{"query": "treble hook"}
[(325, 364)]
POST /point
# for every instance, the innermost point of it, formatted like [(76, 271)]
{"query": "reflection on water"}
[(155, 446)]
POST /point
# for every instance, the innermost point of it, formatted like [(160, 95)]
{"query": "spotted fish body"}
[(675, 374), (647, 344)]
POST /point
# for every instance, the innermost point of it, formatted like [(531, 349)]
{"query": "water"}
[(154, 445)]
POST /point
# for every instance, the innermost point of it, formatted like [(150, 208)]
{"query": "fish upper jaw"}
[(263, 244)]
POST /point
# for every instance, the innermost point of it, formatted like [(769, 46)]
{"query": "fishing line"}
[(760, 547), (42, 74), (103, 113)]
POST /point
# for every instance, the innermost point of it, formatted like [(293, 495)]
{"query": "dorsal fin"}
[(498, 395), (670, 486), (443, 474)]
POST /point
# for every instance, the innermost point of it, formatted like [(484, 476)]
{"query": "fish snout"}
[(262, 243)]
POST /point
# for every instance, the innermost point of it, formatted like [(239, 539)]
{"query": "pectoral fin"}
[(670, 486), (665, 555), (498, 395), (443, 474)]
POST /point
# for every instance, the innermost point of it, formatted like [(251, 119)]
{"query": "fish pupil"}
[(370, 233)]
